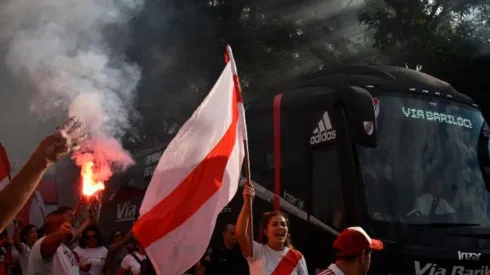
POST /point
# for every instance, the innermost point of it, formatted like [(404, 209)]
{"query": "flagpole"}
[(248, 176)]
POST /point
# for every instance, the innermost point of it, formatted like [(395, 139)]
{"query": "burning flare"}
[(98, 158), (90, 184), (95, 170)]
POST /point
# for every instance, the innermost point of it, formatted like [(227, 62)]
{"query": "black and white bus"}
[(391, 149)]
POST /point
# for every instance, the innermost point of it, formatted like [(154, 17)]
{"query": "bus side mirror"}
[(361, 118)]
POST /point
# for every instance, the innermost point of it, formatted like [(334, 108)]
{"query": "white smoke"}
[(60, 47)]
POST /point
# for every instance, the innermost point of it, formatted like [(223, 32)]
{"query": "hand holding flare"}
[(90, 187)]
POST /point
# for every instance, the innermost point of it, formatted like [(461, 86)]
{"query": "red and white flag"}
[(5, 168), (196, 177)]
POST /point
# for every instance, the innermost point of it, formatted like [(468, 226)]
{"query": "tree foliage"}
[(450, 39), (180, 45), (438, 34)]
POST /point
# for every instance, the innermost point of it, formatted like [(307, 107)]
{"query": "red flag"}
[(4, 163)]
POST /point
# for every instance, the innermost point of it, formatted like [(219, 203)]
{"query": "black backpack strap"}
[(137, 259)]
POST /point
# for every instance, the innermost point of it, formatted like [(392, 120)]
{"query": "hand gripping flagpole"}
[(229, 58)]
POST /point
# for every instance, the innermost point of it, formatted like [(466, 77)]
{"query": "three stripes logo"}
[(324, 131)]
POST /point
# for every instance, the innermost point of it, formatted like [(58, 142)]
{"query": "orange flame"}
[(90, 185)]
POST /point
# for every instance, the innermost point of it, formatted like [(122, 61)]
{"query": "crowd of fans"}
[(60, 248), (66, 250)]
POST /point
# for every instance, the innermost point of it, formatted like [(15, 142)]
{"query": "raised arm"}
[(78, 231), (111, 252), (16, 194), (51, 242), (243, 235)]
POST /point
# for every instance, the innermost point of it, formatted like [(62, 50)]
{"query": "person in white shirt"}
[(132, 262), (50, 254), (430, 203), (353, 249), (273, 253), (24, 239), (91, 251)]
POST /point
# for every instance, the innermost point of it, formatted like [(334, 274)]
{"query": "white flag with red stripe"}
[(196, 177)]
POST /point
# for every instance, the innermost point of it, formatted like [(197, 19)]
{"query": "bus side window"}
[(327, 202)]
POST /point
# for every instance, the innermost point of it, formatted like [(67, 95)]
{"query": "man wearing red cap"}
[(353, 249)]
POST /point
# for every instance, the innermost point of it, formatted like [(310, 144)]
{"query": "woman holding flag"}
[(273, 254)]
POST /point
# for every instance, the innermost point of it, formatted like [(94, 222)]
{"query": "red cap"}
[(354, 240)]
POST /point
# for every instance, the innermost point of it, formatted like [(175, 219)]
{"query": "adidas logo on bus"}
[(324, 131)]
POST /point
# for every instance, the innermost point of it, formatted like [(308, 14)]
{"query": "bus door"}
[(336, 198), (327, 204)]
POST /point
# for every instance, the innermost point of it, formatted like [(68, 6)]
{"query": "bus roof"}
[(393, 78)]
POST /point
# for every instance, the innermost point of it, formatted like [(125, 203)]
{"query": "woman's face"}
[(31, 236), (91, 239), (277, 230)]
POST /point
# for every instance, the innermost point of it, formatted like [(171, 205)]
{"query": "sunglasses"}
[(91, 236)]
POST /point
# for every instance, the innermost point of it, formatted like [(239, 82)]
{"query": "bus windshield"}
[(425, 168)]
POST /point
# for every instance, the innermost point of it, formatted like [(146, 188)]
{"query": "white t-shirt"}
[(96, 256), (266, 260), (24, 258), (63, 262), (131, 264)]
